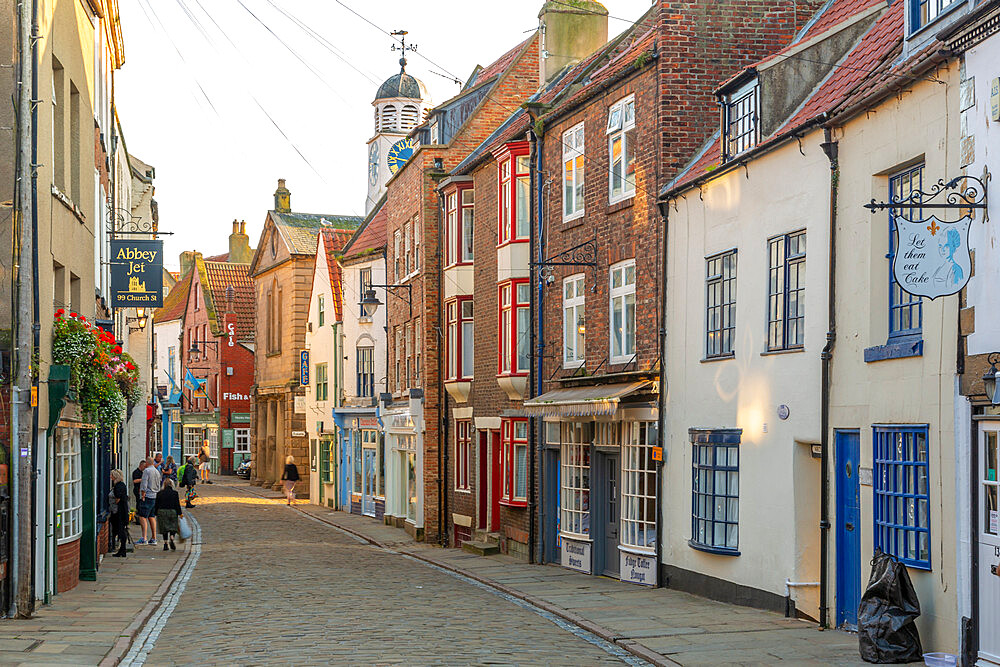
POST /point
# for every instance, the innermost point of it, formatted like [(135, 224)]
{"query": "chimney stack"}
[(240, 251), (570, 34), (283, 198), (187, 261)]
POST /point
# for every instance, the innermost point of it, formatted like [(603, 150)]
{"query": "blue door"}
[(848, 529), (346, 466), (368, 495)]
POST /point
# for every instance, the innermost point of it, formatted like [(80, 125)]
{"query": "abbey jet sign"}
[(931, 228), (136, 274)]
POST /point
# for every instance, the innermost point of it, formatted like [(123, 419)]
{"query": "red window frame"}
[(508, 175), (510, 443), (463, 453), (509, 307), (455, 208), (455, 338)]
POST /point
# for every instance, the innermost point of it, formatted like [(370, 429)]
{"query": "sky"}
[(224, 97)]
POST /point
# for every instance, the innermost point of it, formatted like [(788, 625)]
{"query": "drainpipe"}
[(661, 398), (35, 325), (534, 441), (443, 420), (830, 147)]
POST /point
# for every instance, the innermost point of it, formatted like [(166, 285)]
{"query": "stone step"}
[(481, 548)]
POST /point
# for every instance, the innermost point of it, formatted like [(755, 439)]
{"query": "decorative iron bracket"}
[(584, 254), (122, 223), (962, 193)]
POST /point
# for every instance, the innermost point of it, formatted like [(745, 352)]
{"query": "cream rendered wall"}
[(167, 336), (360, 332), (921, 124), (322, 345), (782, 191)]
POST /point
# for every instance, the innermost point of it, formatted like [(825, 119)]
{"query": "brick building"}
[(282, 273), (412, 415)]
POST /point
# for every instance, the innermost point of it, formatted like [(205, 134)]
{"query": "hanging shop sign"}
[(304, 367), (931, 228), (136, 273)]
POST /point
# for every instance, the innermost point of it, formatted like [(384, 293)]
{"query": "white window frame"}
[(621, 126), (463, 455), (467, 225), (213, 442), (241, 437), (574, 480), (746, 125), (574, 313), (573, 173), (638, 493), (69, 485), (619, 298), (192, 441), (321, 310)]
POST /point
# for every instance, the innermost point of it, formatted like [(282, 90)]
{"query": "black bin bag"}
[(886, 632)]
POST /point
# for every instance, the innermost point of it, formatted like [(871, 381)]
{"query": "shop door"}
[(495, 481), (346, 447), (848, 529), (368, 493), (610, 513), (482, 481), (989, 543)]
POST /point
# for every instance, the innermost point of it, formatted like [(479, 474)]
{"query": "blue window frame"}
[(901, 494), (925, 12), (905, 309), (715, 490), (720, 304)]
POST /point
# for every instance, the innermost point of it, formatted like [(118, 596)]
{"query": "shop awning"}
[(582, 401)]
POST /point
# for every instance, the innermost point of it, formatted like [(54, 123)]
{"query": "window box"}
[(514, 196), (622, 149)]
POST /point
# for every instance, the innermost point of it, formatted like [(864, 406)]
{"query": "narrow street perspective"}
[(547, 332)]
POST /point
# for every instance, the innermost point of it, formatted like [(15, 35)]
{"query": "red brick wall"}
[(67, 566), (103, 536)]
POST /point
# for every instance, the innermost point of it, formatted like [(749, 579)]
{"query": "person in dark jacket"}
[(289, 477), (189, 478), (168, 511), (120, 512), (137, 480)]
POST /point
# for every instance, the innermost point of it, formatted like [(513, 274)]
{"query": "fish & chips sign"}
[(931, 243), (136, 274)]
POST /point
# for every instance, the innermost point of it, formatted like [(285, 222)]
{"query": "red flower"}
[(118, 349), (111, 376), (72, 314), (60, 311), (83, 319)]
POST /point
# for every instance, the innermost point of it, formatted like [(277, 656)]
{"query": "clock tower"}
[(399, 107)]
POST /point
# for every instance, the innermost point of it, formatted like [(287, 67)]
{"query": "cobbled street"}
[(273, 586)]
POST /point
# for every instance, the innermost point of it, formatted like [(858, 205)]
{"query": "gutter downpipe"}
[(443, 420), (534, 376), (661, 398), (35, 324), (830, 147)]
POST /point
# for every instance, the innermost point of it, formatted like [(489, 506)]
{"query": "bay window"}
[(463, 448), (515, 323), (638, 519), (514, 197), (574, 328), (514, 462), (459, 338), (622, 312), (572, 140), (574, 479), (459, 207), (621, 149)]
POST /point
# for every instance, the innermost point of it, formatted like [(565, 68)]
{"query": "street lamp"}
[(990, 379), (195, 343), (140, 320), (370, 303)]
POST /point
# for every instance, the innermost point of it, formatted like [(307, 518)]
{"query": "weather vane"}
[(400, 36)]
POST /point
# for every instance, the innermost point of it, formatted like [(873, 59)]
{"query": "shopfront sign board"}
[(637, 569), (576, 555), (136, 273), (304, 368), (228, 438)]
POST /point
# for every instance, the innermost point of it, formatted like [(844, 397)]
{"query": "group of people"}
[(157, 502)]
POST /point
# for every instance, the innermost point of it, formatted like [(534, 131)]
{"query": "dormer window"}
[(740, 120), (924, 12)]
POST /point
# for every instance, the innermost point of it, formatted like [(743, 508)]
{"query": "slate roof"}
[(371, 235), (333, 243), (175, 301), (870, 68), (218, 277), (299, 230)]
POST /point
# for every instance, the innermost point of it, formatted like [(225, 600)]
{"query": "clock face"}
[(400, 152), (373, 163)]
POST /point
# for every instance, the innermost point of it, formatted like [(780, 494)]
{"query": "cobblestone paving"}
[(276, 587)]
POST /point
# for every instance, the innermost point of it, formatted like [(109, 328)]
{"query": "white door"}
[(989, 543)]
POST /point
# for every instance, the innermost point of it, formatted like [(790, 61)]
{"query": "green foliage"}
[(105, 378)]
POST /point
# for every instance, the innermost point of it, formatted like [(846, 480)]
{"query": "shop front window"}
[(411, 485), (356, 474), (574, 497), (69, 498), (638, 519)]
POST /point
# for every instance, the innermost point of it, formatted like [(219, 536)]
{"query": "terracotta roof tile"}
[(222, 275), (175, 302), (498, 66), (334, 240), (370, 236)]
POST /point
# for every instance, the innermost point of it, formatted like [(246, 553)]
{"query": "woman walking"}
[(189, 477), (289, 477), (169, 469), (120, 516), (168, 511)]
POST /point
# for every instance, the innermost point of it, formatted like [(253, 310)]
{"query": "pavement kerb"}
[(629, 645), (124, 642)]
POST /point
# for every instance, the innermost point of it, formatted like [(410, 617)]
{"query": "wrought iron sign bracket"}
[(584, 254), (122, 223), (960, 193)]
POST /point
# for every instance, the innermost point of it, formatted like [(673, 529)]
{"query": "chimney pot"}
[(236, 227), (282, 198)]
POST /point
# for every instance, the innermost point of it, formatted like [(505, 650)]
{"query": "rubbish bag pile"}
[(886, 631)]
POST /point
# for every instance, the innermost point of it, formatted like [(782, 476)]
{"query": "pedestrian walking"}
[(169, 469), (136, 481), (119, 511), (204, 457), (188, 475), (289, 477), (148, 489), (168, 511)]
